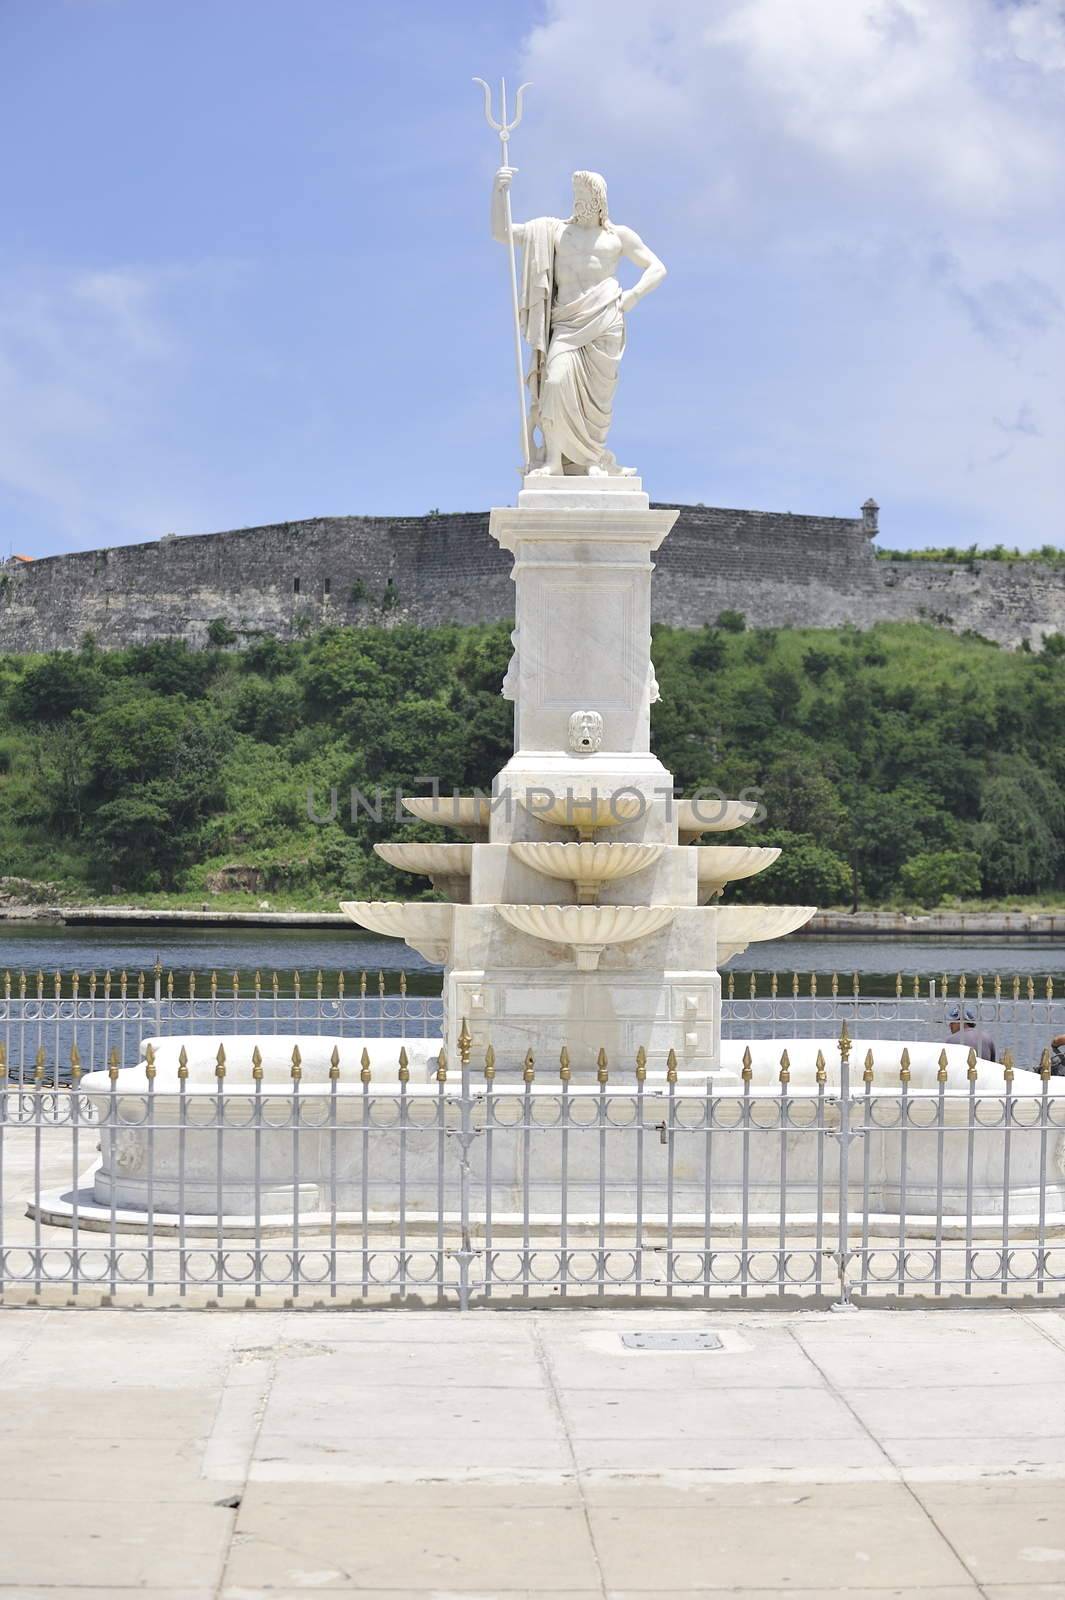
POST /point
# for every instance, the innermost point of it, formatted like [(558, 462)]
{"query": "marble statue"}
[(572, 313)]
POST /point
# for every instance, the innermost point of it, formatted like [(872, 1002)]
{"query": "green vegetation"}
[(1049, 554), (902, 765)]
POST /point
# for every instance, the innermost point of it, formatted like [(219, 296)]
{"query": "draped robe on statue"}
[(576, 352)]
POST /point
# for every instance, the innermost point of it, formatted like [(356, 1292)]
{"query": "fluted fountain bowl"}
[(448, 865), (424, 924), (588, 815), (466, 813), (588, 865), (718, 864), (587, 929), (739, 926), (721, 816)]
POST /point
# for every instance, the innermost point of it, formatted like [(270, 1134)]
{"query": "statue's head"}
[(589, 200)]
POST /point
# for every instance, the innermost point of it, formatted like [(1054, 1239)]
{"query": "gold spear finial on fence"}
[(785, 1067), (601, 1070), (364, 1066), (972, 1071), (641, 1064), (220, 1063), (489, 1062), (844, 1043), (747, 1072), (38, 1066), (528, 1071), (334, 1063), (297, 1064), (112, 1065), (867, 1067), (671, 1066), (257, 1065), (941, 1075), (441, 1066), (75, 1064), (904, 1066), (1044, 1064), (1007, 1065), (563, 1064), (820, 1074), (149, 1062), (465, 1043), (182, 1064), (404, 1064)]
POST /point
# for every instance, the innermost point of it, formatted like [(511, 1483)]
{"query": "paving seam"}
[(899, 1475), (544, 1362)]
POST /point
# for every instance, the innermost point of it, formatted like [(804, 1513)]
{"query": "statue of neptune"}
[(572, 314)]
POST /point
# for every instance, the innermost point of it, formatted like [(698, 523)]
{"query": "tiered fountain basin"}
[(368, 1130), (448, 865), (468, 814), (588, 814), (719, 864), (587, 930), (587, 865), (696, 817)]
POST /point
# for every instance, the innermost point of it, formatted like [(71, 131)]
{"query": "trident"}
[(504, 130)]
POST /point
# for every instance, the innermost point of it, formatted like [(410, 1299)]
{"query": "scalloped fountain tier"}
[(587, 813), (448, 865), (467, 814), (696, 817), (719, 864), (587, 929), (588, 865)]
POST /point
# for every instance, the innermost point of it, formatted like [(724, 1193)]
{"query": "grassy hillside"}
[(915, 764)]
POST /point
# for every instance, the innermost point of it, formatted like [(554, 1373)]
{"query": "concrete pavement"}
[(428, 1456)]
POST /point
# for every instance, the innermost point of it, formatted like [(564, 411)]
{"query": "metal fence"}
[(49, 1017), (495, 1181)]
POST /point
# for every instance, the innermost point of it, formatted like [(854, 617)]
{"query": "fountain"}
[(582, 913)]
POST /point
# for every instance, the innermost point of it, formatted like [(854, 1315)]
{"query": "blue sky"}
[(246, 276)]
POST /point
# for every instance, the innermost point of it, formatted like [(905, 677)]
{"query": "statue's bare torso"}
[(585, 257)]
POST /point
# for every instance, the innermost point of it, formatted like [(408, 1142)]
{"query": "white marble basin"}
[(465, 813), (739, 926), (425, 925), (695, 817), (587, 815), (587, 928), (448, 865), (719, 864), (589, 865)]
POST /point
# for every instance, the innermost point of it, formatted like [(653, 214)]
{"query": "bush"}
[(731, 621), (939, 875)]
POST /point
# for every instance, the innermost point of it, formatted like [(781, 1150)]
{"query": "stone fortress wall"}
[(779, 569)]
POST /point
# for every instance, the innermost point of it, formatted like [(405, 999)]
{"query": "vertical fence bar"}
[(334, 1106), (970, 1164), (112, 1119), (295, 1111), (564, 1112), (1007, 1136), (441, 1156), (670, 1130), (1044, 1128), (465, 1252), (489, 1130), (820, 1077), (527, 1074), (941, 1134), (149, 1072), (603, 1107), (220, 1126), (404, 1077), (182, 1134), (904, 1128), (784, 1114), (641, 1074), (844, 1303), (745, 1175), (365, 1073)]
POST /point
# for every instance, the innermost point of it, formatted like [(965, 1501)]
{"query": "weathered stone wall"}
[(777, 568)]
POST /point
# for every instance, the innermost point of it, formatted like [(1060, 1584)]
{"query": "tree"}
[(1021, 834), (938, 875), (731, 621), (220, 634), (53, 689)]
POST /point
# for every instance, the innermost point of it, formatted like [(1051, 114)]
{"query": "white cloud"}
[(863, 205)]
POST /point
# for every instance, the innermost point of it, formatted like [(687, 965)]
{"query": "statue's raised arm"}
[(500, 187), (571, 311)]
